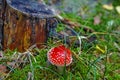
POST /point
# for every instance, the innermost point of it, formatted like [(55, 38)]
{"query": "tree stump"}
[(26, 23), (1, 23)]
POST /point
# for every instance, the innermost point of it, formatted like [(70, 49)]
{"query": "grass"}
[(99, 59)]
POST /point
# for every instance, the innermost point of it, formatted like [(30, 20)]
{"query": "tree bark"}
[(25, 26)]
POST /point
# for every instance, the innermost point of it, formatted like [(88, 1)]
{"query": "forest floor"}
[(96, 56)]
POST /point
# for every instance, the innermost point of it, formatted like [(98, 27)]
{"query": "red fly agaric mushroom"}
[(60, 56)]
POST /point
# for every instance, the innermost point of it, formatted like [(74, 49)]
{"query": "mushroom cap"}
[(60, 56)]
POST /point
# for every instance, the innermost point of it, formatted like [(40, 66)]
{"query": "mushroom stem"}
[(61, 70), (48, 63)]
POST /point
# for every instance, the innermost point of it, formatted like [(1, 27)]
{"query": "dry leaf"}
[(100, 49), (97, 20), (117, 71), (3, 68), (1, 54), (108, 6), (118, 9), (12, 64)]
